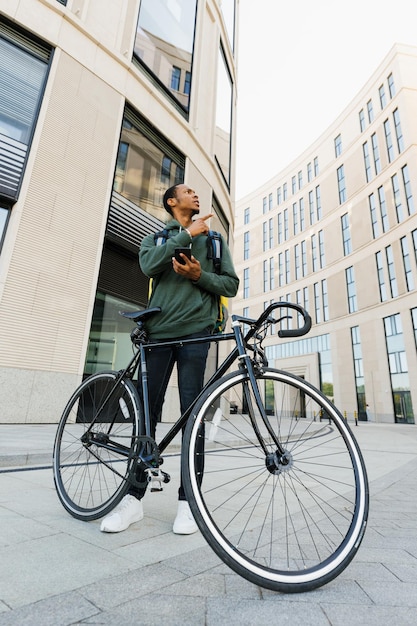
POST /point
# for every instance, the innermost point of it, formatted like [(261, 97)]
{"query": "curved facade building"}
[(103, 105), (336, 231)]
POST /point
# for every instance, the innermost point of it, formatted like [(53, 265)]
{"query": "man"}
[(187, 293)]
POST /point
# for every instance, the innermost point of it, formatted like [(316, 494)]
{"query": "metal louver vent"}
[(12, 161), (128, 224)]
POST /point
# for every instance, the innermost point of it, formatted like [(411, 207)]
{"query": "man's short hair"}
[(170, 193)]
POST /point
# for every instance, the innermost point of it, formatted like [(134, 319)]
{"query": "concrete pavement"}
[(60, 571)]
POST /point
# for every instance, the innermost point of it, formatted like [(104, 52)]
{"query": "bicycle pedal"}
[(157, 477)]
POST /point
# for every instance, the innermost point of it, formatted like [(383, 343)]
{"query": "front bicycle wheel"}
[(288, 523), (92, 459)]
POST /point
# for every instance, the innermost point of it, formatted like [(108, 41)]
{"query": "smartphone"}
[(185, 251)]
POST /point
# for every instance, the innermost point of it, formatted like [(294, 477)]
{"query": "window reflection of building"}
[(223, 117), (146, 166), (164, 44), (23, 68)]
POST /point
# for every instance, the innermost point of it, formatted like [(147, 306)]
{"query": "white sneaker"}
[(129, 510), (184, 523)]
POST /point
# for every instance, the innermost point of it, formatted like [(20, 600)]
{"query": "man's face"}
[(186, 199)]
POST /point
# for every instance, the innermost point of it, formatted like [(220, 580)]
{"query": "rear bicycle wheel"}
[(91, 459), (288, 524)]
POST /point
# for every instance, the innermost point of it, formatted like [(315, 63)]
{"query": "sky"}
[(300, 63)]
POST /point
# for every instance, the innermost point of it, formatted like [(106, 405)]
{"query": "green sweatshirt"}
[(186, 307)]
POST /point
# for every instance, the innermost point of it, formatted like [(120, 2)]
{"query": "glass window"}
[(246, 216), (316, 166), (398, 131), (271, 274), (228, 11), (347, 243), (271, 232), (164, 44), (314, 255), (391, 86), (304, 257), (397, 198), (351, 290), (380, 276), (264, 236), (280, 234), (284, 191), (397, 360), (4, 216), (309, 172), (146, 166), (359, 373), (325, 300), (175, 78), (375, 152), (311, 208), (223, 135), (286, 226), (281, 269), (414, 236), (22, 79), (300, 179), (187, 83), (338, 146), (317, 307), (382, 97), (279, 196), (367, 161), (407, 264), (341, 183), (297, 261), (321, 249), (318, 202), (265, 274), (388, 141), (246, 282), (295, 218), (407, 189), (293, 184), (383, 209), (287, 267), (270, 202), (246, 240), (362, 123), (391, 272), (370, 109), (302, 212), (374, 218)]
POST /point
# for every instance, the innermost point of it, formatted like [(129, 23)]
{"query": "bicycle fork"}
[(277, 460)]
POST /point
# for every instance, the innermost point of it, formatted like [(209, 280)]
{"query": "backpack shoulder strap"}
[(161, 237), (214, 249)]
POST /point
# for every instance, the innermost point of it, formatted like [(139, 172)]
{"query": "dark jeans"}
[(191, 364)]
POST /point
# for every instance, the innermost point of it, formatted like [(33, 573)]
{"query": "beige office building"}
[(336, 232), (104, 104)]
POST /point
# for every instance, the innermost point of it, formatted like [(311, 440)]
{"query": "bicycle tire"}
[(289, 528), (90, 479)]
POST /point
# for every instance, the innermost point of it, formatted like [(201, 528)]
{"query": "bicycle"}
[(283, 498)]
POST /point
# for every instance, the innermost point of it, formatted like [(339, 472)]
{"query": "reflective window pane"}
[(223, 117), (164, 43), (146, 166), (4, 214), (228, 11)]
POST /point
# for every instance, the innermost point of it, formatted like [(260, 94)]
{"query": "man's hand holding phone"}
[(185, 264)]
